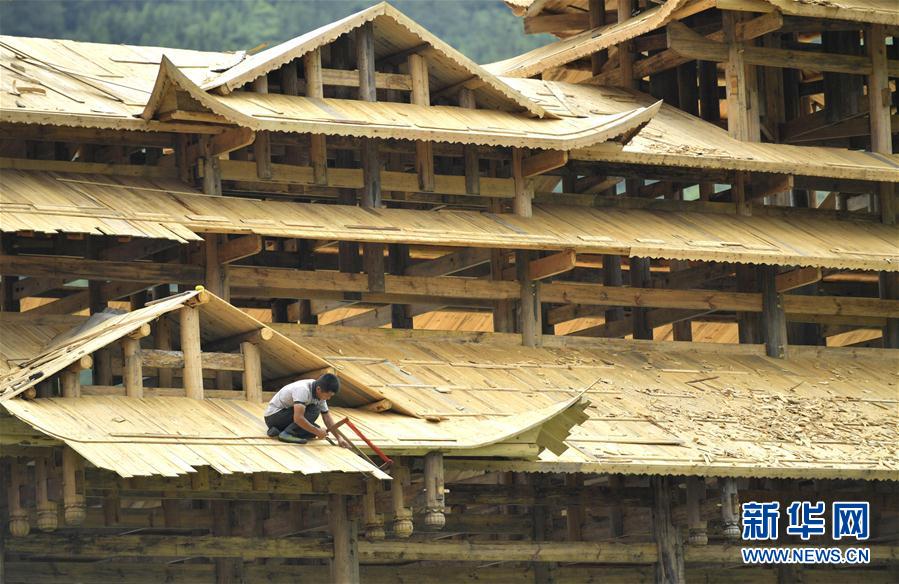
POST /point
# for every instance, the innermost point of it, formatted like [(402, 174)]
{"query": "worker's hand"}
[(320, 432), (343, 443)]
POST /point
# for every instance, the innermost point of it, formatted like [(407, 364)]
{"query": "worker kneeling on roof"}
[(292, 413)]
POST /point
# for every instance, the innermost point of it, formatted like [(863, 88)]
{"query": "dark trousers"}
[(283, 421)]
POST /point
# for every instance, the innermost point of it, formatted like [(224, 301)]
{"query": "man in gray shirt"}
[(292, 412)]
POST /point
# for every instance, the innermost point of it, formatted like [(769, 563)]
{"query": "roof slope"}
[(343, 117), (655, 407), (676, 138), (394, 33), (124, 206)]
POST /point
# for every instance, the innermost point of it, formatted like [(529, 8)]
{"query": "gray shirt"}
[(298, 392)]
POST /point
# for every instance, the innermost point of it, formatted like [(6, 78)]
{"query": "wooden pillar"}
[(616, 511), (374, 521), (611, 276), (132, 368), (529, 312), (434, 490), (574, 514), (18, 515), (212, 172), (641, 278), (47, 510), (709, 105), (741, 85), (881, 142), (402, 515), (162, 340), (524, 189), (698, 534), (730, 507), (225, 568), (73, 487), (371, 171), (682, 330), (345, 564), (421, 95), (687, 88), (670, 567), (470, 151), (749, 323), (398, 256), (70, 381), (252, 372), (773, 316), (318, 148), (216, 273), (626, 48), (596, 10), (192, 352), (262, 145), (542, 527)]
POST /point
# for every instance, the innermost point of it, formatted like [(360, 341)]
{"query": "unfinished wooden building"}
[(588, 299)]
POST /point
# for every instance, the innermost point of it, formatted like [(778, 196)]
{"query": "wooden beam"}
[(231, 250), (555, 23), (450, 263), (192, 373), (692, 45), (260, 335), (78, 268), (797, 278), (545, 161), (231, 140), (759, 26), (168, 359), (352, 178), (552, 265)]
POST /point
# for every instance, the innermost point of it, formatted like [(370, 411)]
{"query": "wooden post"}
[(371, 171), (889, 290), (190, 348), (47, 510), (574, 514), (741, 85), (730, 507), (132, 369), (374, 521), (470, 151), (216, 273), (616, 512), (398, 256), (434, 490), (318, 148), (683, 329), (402, 515), (748, 323), (641, 278), (163, 340), (18, 515), (212, 172), (612, 276), (70, 380), (597, 15), (773, 315), (542, 526), (262, 146), (345, 565), (698, 534), (72, 475), (374, 264), (252, 372), (626, 49), (670, 567), (529, 313), (524, 190), (421, 95), (221, 525)]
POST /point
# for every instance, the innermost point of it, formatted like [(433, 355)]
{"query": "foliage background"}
[(485, 30)]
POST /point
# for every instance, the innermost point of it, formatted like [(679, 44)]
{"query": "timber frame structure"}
[(512, 268)]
